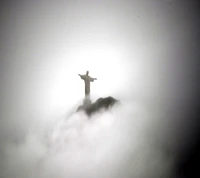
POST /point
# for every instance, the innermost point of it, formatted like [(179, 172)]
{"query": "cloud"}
[(117, 143)]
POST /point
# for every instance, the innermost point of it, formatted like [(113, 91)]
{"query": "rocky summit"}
[(102, 103)]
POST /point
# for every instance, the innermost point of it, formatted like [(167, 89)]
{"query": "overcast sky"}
[(130, 46), (138, 50)]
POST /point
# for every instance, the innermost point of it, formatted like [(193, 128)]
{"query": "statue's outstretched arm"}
[(92, 79), (82, 76)]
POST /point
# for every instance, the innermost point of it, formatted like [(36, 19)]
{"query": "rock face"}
[(101, 103)]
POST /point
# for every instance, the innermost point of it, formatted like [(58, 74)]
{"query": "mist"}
[(117, 143), (137, 52)]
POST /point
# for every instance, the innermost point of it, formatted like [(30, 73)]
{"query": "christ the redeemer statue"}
[(87, 79)]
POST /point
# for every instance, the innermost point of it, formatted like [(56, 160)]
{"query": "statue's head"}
[(87, 72)]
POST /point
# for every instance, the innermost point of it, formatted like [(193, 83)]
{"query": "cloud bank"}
[(113, 144)]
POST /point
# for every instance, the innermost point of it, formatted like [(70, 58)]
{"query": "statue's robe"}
[(87, 79)]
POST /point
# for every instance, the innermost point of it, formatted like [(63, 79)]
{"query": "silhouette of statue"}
[(87, 79)]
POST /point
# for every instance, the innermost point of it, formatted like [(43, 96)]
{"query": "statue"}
[(101, 104), (87, 79)]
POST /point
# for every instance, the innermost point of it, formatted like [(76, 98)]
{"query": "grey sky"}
[(138, 50)]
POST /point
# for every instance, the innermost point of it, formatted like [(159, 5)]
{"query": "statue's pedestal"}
[(87, 102)]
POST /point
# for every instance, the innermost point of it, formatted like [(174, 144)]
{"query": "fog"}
[(134, 49), (118, 143)]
